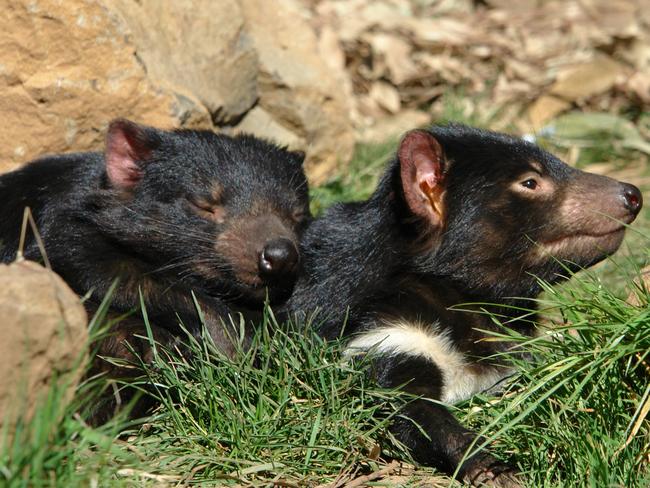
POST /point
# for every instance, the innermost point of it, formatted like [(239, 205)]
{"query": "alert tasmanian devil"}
[(461, 216), (177, 216)]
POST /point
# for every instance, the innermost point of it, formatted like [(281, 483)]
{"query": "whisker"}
[(162, 226)]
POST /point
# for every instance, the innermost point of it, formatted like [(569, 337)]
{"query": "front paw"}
[(487, 471)]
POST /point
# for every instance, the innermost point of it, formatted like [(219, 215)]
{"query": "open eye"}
[(530, 183)]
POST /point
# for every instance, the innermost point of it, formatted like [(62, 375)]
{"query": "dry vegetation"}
[(525, 61)]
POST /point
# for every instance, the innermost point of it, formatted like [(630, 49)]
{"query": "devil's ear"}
[(421, 168), (128, 146)]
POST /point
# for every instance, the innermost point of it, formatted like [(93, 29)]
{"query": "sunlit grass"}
[(577, 415)]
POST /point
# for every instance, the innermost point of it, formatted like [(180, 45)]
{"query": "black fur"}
[(169, 213), (397, 256)]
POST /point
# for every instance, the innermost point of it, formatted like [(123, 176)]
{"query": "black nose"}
[(279, 257), (632, 199)]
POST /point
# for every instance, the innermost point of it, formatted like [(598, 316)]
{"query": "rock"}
[(295, 87), (234, 54), (393, 127), (44, 337), (66, 69), (259, 122), (200, 46)]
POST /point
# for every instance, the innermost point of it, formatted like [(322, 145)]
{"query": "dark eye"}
[(530, 183)]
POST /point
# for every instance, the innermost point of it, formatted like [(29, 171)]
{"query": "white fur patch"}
[(460, 380)]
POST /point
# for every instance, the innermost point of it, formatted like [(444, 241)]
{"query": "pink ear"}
[(127, 146), (420, 157)]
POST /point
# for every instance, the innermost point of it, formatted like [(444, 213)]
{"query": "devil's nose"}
[(278, 257), (632, 199)]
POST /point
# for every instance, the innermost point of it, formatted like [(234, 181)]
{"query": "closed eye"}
[(208, 210)]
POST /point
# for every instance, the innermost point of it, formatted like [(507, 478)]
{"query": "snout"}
[(278, 259), (631, 198)]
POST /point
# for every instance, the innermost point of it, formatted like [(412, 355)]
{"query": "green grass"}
[(292, 412), (577, 415), (288, 409)]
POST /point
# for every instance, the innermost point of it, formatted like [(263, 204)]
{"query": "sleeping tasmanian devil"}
[(461, 216), (175, 215)]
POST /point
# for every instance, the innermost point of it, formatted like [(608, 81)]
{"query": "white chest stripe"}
[(460, 381)]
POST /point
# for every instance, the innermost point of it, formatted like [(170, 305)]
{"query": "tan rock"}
[(333, 55), (295, 86), (259, 122), (198, 45), (44, 336), (392, 127), (66, 69)]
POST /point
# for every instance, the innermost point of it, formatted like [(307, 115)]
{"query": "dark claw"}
[(489, 472)]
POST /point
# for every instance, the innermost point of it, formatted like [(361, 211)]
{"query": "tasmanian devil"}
[(176, 216), (461, 216)]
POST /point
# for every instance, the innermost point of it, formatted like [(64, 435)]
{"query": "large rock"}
[(296, 88), (44, 334), (199, 45), (66, 69)]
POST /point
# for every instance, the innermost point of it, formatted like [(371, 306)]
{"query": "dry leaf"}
[(540, 57), (615, 17), (386, 96), (585, 80), (643, 283), (639, 84), (396, 54), (544, 109), (444, 31)]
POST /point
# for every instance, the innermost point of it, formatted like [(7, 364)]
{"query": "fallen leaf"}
[(396, 54), (588, 79), (615, 17), (386, 96), (544, 109)]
